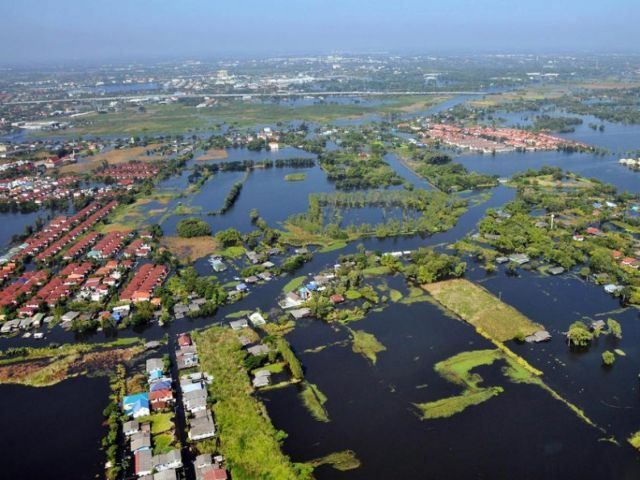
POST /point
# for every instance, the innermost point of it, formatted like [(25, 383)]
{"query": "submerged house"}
[(262, 378), (257, 319), (519, 258), (239, 324), (136, 405), (291, 300)]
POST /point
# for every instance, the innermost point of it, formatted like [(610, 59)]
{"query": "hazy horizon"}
[(35, 31)]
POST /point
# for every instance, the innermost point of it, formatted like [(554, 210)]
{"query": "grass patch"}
[(395, 295), (177, 118), (375, 271), (247, 437), (42, 367), (113, 157), (332, 247), (213, 154), (232, 252), (314, 400), (295, 177), (447, 407), (457, 370), (239, 313), (352, 294), (163, 443), (160, 422), (293, 284), (342, 461), (366, 344), (481, 309), (634, 440), (277, 367), (189, 249)]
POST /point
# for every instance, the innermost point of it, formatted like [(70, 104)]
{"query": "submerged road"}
[(241, 95)]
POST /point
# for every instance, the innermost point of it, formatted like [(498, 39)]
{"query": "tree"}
[(193, 227), (229, 237), (608, 358), (614, 328), (320, 306), (578, 335)]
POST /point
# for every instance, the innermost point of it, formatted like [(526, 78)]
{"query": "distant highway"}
[(237, 95)]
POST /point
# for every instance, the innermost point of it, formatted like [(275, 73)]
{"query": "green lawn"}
[(163, 443), (160, 422)]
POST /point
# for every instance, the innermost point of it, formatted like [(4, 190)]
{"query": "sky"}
[(81, 30)]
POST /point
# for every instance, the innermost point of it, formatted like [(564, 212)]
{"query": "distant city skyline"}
[(68, 30)]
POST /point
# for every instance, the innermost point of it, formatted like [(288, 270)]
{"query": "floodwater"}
[(521, 433), (54, 431)]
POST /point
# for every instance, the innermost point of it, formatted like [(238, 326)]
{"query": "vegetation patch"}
[(160, 422), (395, 295), (163, 443), (193, 227), (247, 437), (295, 177), (239, 313), (42, 367), (482, 309), (342, 461), (457, 370), (293, 284), (634, 440), (112, 157), (189, 249), (213, 154), (366, 344), (447, 407), (314, 400), (332, 246)]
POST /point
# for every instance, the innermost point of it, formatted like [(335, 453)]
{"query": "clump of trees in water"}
[(448, 176), (579, 335), (193, 227), (608, 358), (243, 165), (428, 266), (358, 171), (230, 237), (231, 197), (556, 124), (432, 212)]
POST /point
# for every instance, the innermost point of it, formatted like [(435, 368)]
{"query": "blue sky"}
[(37, 30)]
